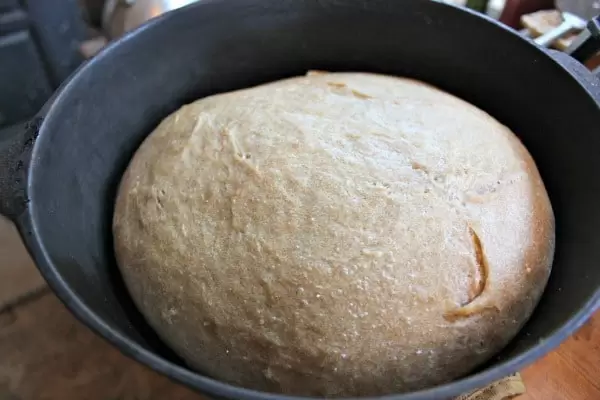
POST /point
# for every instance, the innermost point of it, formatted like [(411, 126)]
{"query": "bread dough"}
[(336, 234)]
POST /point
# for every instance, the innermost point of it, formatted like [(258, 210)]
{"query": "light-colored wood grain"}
[(45, 354), (572, 372), (18, 275)]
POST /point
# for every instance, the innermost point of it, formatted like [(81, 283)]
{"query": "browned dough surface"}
[(335, 234)]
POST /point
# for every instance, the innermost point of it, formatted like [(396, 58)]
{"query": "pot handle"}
[(587, 44), (15, 155), (584, 46)]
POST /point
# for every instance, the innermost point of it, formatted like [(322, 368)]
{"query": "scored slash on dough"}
[(479, 283)]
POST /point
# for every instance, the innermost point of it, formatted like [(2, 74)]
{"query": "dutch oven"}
[(58, 177)]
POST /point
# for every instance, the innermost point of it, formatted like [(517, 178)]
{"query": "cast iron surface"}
[(586, 44), (102, 114)]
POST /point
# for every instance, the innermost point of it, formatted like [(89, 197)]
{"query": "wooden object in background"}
[(18, 275), (89, 48), (572, 372), (543, 21), (514, 9), (594, 62)]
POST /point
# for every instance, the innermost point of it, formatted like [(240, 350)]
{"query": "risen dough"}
[(337, 234)]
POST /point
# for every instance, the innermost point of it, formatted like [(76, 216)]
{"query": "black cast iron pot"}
[(58, 178)]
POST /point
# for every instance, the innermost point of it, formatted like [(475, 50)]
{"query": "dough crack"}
[(479, 284), (343, 89), (479, 278)]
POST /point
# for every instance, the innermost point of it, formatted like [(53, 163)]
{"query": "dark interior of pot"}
[(114, 102)]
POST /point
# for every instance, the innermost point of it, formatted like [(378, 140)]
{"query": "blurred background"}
[(43, 41)]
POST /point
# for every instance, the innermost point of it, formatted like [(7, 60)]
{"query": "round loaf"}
[(337, 234)]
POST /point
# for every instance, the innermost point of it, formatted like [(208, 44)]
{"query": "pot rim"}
[(27, 224)]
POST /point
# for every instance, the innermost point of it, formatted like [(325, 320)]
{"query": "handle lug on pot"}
[(15, 154), (570, 23), (587, 43)]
